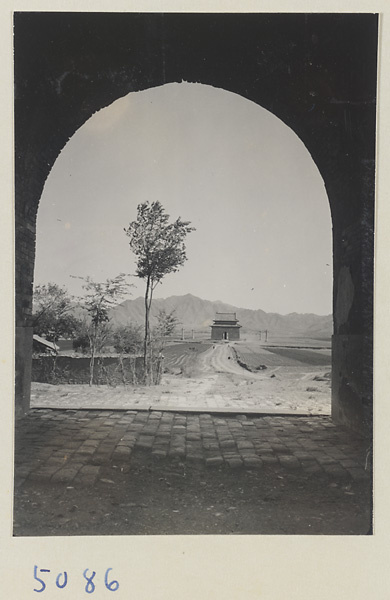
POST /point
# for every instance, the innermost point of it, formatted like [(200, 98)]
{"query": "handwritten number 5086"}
[(62, 580)]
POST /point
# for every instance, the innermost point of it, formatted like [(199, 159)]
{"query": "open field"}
[(180, 356), (256, 356), (257, 337), (275, 339)]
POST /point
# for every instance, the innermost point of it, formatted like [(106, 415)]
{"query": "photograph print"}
[(194, 255)]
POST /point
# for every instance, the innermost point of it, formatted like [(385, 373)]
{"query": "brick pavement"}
[(71, 446)]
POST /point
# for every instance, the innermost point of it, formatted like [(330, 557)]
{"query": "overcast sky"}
[(242, 177)]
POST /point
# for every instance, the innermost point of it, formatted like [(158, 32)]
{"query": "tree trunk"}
[(146, 338), (150, 346), (148, 366), (54, 370), (91, 365), (122, 366), (92, 342)]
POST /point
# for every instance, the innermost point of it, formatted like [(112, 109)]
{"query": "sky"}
[(241, 176)]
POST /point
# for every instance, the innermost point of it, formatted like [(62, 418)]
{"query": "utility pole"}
[(182, 333), (266, 335)]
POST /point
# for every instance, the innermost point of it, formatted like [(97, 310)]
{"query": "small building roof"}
[(222, 326), (46, 343), (225, 317)]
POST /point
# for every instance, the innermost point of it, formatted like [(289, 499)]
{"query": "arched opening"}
[(262, 244), (317, 74), (325, 94)]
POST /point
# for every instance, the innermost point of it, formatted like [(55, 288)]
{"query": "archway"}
[(295, 67), (262, 240)]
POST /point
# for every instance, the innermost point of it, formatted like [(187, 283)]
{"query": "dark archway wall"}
[(317, 73)]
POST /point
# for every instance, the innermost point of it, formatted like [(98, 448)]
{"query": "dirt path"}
[(287, 387), (220, 359)]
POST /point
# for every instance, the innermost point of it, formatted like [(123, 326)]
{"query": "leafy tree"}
[(52, 312), (166, 324), (98, 300), (84, 333), (81, 337), (81, 341), (127, 339), (160, 249)]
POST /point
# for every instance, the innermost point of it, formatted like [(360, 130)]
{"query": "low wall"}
[(108, 370)]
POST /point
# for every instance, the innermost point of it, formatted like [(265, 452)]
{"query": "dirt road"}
[(301, 386), (221, 359)]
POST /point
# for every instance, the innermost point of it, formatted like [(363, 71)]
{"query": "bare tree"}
[(99, 299), (160, 249)]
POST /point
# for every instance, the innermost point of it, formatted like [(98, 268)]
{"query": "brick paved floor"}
[(71, 446)]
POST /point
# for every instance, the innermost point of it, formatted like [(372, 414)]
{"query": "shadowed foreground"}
[(128, 472)]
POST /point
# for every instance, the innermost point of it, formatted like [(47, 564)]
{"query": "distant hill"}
[(195, 313)]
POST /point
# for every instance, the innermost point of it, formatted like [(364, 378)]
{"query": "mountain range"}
[(194, 313)]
